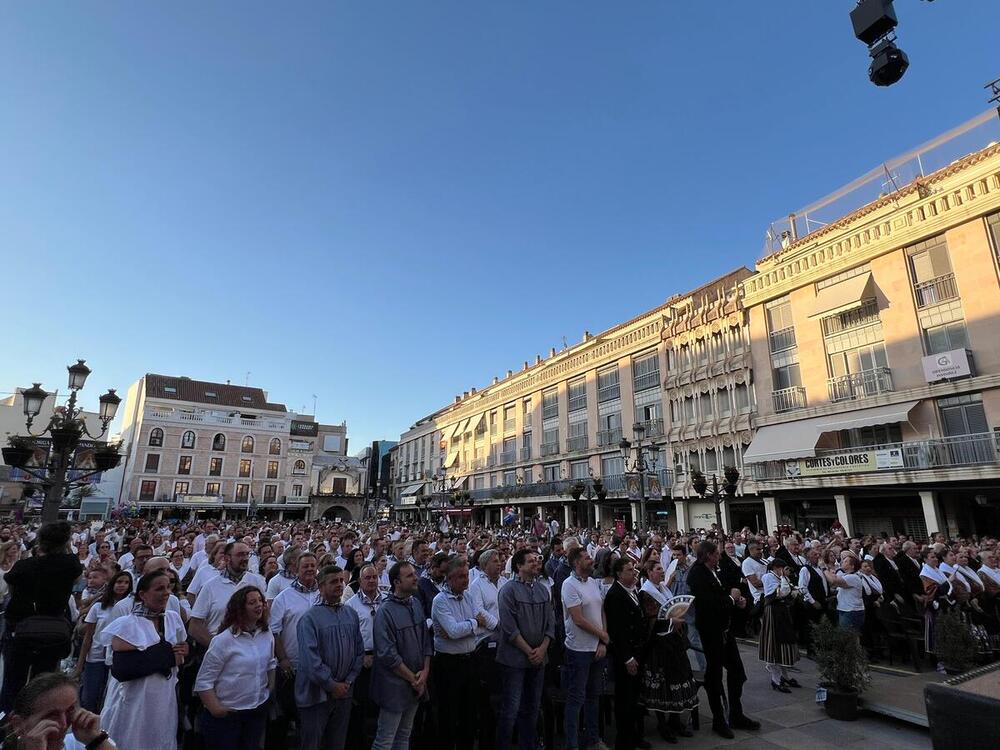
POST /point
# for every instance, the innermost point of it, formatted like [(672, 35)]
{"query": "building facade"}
[(876, 362)]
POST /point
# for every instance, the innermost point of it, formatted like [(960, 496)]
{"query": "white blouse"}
[(236, 668)]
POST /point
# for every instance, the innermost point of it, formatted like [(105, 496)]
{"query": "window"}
[(579, 470), (184, 465), (577, 436), (862, 359), (963, 415), (247, 445), (211, 394), (170, 389), (493, 481), (187, 439), (147, 491), (858, 317), (479, 483), (867, 437), (272, 469), (689, 409), (649, 413), (550, 404), (527, 412), (724, 401), (243, 492), (215, 467), (705, 400), (299, 467), (711, 460), (181, 488), (219, 442), (736, 338), (671, 360), (528, 475), (646, 372), (275, 448), (550, 441), (780, 327), (213, 488), (993, 222), (551, 472), (787, 377), (510, 478), (152, 462), (612, 466), (933, 280), (728, 456), (270, 493), (675, 412), (156, 437), (608, 388), (577, 394), (694, 461), (247, 398), (742, 393), (296, 490), (947, 337), (246, 466)]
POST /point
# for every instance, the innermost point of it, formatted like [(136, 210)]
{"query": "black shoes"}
[(681, 731), (745, 722), (780, 688), (643, 744), (723, 731), (790, 682)]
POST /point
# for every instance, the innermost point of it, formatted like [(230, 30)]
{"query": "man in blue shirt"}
[(403, 651), (331, 652), (456, 624)]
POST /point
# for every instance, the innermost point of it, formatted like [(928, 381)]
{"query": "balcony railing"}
[(609, 393), (940, 289), (646, 380), (509, 425), (550, 449), (578, 402), (609, 437), (526, 453), (789, 399), (550, 410), (491, 460), (783, 339), (578, 443), (517, 491), (652, 427), (981, 449), (508, 457), (615, 483), (212, 419), (860, 384)]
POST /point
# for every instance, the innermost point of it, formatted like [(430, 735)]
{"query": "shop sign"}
[(846, 462), (305, 429), (946, 365)]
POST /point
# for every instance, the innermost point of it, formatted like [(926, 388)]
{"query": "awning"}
[(476, 421), (413, 489), (798, 439), (452, 458), (844, 296), (457, 483), (464, 428), (454, 430)]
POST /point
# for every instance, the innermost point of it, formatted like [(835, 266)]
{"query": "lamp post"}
[(440, 479), (639, 464), (587, 491), (718, 494), (65, 429)]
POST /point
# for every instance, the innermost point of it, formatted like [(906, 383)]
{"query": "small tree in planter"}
[(18, 451), (843, 668), (954, 643)]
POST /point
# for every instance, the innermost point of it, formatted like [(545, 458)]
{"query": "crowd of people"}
[(147, 636)]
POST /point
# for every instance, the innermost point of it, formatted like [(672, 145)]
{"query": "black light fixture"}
[(78, 375), (874, 23), (33, 397), (109, 405)]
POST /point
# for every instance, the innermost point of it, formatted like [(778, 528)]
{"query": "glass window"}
[(187, 439), (272, 469), (577, 394), (246, 465), (963, 415), (215, 468), (184, 465), (219, 442), (152, 462), (779, 315), (181, 488), (479, 483), (694, 461), (247, 445), (742, 394), (299, 467), (711, 460), (579, 470), (510, 478), (612, 466), (156, 437), (528, 476), (705, 400), (147, 491), (929, 259), (787, 377), (275, 448), (947, 337), (724, 402), (270, 493), (296, 490), (212, 488), (551, 472), (550, 404), (689, 409), (243, 492), (646, 372)]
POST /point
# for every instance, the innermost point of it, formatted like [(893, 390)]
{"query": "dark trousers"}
[(364, 713), (628, 712), (488, 677), (237, 730), (721, 652), (92, 684), (22, 662), (520, 702), (284, 695), (456, 695)]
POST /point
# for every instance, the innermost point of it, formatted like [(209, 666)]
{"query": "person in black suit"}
[(714, 606), (909, 565), (627, 631), (888, 573)]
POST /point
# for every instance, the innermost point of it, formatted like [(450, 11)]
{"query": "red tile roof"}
[(186, 389)]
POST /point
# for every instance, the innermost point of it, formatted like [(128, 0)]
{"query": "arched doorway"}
[(335, 512)]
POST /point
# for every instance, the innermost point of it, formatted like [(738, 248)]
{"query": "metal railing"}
[(652, 427), (527, 421), (609, 393), (615, 483), (789, 399), (647, 380), (980, 449), (860, 384), (577, 402), (609, 437), (509, 425), (783, 339), (508, 457), (578, 443), (514, 492), (526, 453), (550, 410), (939, 289), (550, 449)]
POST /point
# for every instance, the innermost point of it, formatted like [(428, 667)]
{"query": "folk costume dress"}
[(666, 682), (778, 647), (142, 714)]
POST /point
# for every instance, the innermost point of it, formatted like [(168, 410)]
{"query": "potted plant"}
[(576, 489), (953, 642), (107, 457), (843, 668), (18, 451)]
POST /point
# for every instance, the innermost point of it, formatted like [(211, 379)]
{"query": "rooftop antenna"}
[(564, 343), (994, 87), (314, 404), (246, 380)]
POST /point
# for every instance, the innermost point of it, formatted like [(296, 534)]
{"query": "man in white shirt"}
[(210, 606), (288, 571), (207, 572), (754, 568), (366, 603), (586, 648), (200, 557)]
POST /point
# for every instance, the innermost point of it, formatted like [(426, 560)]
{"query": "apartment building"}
[(417, 475), (196, 448), (876, 360)]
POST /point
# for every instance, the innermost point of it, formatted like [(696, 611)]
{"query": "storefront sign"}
[(846, 462), (305, 429), (953, 364)]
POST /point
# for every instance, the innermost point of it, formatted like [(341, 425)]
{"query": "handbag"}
[(43, 631)]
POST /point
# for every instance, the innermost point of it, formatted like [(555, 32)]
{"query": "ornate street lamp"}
[(65, 430), (640, 464), (718, 494)]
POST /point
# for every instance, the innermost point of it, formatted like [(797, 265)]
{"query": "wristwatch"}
[(98, 741)]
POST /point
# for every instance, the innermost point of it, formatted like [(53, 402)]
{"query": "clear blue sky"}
[(385, 203)]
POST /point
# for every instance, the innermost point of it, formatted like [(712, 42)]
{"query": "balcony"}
[(783, 339), (550, 449), (509, 425), (935, 291), (526, 453), (268, 425), (609, 393), (981, 449), (615, 483), (789, 399), (857, 385), (652, 427), (478, 464), (508, 457), (609, 437), (578, 443), (550, 411), (647, 380), (522, 491)]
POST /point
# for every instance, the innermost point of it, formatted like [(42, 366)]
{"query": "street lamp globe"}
[(33, 397), (109, 405), (78, 375), (625, 446)]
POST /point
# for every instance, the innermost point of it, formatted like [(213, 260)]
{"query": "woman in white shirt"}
[(235, 678), (850, 602), (778, 647), (91, 664), (654, 585)]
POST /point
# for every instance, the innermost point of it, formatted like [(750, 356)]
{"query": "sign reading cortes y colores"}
[(953, 364), (847, 462)]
